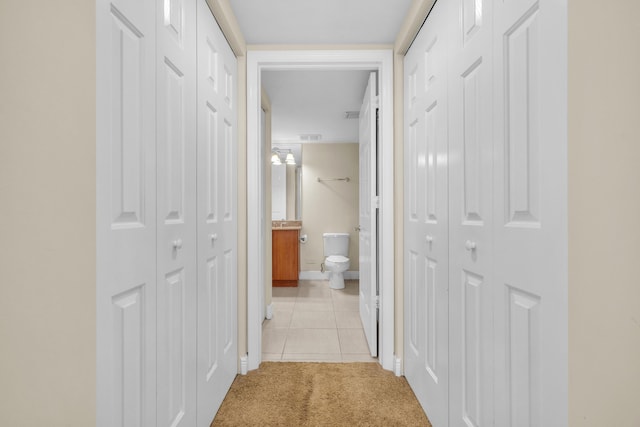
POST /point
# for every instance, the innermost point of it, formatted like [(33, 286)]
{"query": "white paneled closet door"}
[(471, 216), (166, 213), (530, 212), (176, 212), (126, 212), (506, 91), (426, 221), (217, 216)]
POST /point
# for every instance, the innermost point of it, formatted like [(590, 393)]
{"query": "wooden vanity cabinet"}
[(285, 257)]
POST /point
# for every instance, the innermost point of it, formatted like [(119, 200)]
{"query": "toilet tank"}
[(336, 244)]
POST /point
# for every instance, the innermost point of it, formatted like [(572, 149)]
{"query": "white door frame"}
[(380, 60)]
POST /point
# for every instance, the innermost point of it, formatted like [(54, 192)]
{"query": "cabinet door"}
[(285, 255)]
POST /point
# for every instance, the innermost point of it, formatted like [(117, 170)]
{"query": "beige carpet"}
[(320, 394)]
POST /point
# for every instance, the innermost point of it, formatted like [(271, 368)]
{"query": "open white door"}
[(368, 216), (217, 217)]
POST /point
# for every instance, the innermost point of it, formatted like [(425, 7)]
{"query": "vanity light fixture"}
[(275, 159), (276, 156), (290, 160)]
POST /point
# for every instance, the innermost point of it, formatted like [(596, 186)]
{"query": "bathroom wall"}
[(328, 206)]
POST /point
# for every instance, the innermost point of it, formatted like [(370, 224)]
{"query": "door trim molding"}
[(381, 61)]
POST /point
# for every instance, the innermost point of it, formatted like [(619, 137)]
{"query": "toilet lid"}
[(337, 258)]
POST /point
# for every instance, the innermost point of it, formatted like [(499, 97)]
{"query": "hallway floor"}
[(313, 323)]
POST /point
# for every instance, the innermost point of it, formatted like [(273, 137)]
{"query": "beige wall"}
[(242, 207), (328, 206), (47, 214), (604, 213)]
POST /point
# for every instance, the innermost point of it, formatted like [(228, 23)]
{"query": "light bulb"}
[(290, 160)]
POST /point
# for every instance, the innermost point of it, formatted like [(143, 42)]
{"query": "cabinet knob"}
[(214, 237), (177, 244), (470, 245), (429, 238)]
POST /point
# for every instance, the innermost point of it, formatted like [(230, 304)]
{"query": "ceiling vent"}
[(352, 115), (310, 137)]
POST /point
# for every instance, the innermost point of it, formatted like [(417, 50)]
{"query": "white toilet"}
[(336, 249)]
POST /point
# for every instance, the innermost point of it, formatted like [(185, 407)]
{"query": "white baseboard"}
[(397, 366), (244, 364), (317, 275), (352, 275), (269, 313)]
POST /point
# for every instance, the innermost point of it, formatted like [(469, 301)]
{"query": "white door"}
[(176, 212), (369, 215), (530, 207), (126, 212), (217, 216), (426, 215), (471, 216)]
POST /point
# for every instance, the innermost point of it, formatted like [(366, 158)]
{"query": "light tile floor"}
[(313, 323)]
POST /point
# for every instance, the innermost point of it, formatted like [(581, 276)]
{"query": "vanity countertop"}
[(286, 225)]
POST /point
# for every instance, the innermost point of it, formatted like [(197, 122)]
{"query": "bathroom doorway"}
[(314, 135), (356, 62)]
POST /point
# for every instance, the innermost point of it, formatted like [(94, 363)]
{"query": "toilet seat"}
[(337, 258)]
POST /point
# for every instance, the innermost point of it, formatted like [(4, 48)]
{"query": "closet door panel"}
[(125, 213), (176, 212), (426, 223), (471, 216), (217, 349), (530, 293)]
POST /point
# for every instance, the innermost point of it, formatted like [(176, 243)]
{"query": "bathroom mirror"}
[(286, 182)]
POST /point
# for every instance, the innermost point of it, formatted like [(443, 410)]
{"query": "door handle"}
[(470, 245), (177, 244), (213, 237), (358, 228), (429, 238)]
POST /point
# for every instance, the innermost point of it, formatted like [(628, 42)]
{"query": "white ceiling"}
[(314, 102), (319, 21)]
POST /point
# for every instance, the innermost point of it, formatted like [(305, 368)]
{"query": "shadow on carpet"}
[(320, 394)]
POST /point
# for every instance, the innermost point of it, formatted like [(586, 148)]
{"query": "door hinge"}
[(376, 101), (377, 302), (375, 201)]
